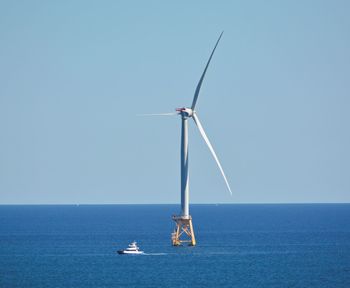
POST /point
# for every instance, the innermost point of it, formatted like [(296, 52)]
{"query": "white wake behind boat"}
[(132, 249)]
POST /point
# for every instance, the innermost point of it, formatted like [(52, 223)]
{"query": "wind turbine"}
[(183, 221)]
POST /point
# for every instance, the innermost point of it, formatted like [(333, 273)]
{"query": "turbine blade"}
[(158, 114), (201, 130), (196, 93)]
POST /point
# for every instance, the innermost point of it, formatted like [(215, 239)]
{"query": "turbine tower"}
[(184, 227)]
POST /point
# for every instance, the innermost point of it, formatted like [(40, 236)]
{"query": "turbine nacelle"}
[(187, 112)]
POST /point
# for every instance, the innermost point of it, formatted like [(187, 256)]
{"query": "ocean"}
[(287, 245)]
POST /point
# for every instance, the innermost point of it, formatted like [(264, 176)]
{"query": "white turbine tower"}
[(184, 225)]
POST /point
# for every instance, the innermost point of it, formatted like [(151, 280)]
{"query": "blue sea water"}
[(297, 245)]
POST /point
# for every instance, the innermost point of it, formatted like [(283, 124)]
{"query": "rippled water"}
[(304, 245)]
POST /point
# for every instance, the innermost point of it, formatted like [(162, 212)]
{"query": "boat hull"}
[(121, 252)]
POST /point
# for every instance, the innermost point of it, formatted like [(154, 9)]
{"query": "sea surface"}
[(289, 245)]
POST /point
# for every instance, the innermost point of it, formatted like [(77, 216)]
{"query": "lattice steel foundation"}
[(183, 232)]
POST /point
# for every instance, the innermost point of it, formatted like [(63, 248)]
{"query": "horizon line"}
[(199, 203)]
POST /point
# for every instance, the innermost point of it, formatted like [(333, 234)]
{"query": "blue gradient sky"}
[(275, 101)]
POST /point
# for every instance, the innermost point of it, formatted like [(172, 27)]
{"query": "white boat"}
[(132, 249)]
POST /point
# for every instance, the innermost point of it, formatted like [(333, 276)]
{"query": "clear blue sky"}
[(275, 101)]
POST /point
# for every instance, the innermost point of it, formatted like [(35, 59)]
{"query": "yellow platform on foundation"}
[(183, 232)]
